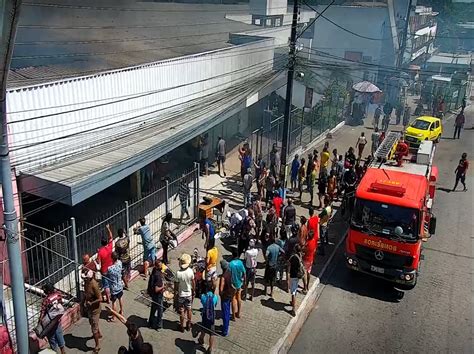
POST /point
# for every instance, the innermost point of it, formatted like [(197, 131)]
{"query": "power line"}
[(145, 156), (115, 40), (314, 20), (133, 96), (86, 185), (88, 54), (112, 124), (112, 8), (372, 38), (129, 121), (167, 62), (114, 115)]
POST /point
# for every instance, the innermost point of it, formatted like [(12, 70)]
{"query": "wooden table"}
[(206, 210)]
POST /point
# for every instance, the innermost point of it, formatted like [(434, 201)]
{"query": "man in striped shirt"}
[(183, 194)]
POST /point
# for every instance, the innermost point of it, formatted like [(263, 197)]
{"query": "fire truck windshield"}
[(383, 220)]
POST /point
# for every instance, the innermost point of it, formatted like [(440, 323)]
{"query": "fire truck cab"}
[(392, 214)]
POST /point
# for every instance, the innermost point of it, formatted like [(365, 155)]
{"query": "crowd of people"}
[(287, 243)]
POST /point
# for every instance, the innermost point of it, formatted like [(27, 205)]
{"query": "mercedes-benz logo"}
[(378, 255)]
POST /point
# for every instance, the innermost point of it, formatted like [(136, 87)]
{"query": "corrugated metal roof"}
[(451, 58), (82, 175), (116, 39)]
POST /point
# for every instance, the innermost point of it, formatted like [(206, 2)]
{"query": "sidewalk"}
[(263, 321)]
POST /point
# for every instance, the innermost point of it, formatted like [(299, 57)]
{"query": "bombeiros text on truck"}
[(392, 212)]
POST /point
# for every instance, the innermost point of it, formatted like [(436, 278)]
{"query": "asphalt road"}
[(361, 314)]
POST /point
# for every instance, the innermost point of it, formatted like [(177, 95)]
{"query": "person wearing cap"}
[(247, 186), (184, 288), (226, 292), (92, 300), (250, 267)]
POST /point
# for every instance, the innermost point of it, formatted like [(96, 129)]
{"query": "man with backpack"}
[(296, 272), (51, 311), (208, 313), (155, 290)]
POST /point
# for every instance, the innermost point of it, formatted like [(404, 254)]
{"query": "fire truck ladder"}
[(387, 148)]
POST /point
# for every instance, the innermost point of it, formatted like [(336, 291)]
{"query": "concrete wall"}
[(368, 22)]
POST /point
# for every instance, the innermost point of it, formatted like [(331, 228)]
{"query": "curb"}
[(309, 302)]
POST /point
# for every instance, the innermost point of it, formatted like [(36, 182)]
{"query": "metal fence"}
[(52, 256), (305, 127), (153, 207), (47, 257)]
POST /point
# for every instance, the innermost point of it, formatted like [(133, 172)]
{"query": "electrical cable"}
[(144, 157), (314, 20), (128, 97), (88, 54), (393, 68), (165, 62), (148, 10), (121, 137), (17, 147), (139, 95)]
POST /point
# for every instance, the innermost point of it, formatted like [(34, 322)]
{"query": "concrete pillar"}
[(136, 185)]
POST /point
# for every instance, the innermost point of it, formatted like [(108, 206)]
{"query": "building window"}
[(277, 22), (269, 22), (258, 22), (353, 56)]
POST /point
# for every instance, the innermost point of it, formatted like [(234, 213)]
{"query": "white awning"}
[(76, 178)]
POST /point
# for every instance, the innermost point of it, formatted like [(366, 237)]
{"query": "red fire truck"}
[(392, 215)]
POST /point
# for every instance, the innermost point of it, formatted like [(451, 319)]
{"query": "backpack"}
[(209, 309), (300, 273), (51, 319)]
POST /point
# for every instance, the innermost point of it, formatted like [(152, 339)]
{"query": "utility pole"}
[(403, 44), (285, 141), (8, 22)]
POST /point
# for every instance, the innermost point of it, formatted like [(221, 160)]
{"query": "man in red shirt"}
[(460, 171), (313, 224), (401, 151), (309, 252), (104, 259), (277, 202)]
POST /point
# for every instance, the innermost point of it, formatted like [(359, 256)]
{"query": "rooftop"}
[(75, 178), (451, 58), (59, 39)]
